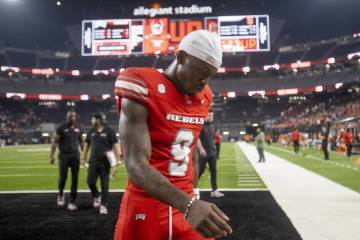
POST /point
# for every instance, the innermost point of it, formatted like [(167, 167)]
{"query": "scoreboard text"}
[(163, 35)]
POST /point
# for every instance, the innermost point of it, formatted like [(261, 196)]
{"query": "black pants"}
[(324, 147), (348, 150), (217, 150), (212, 167), (261, 154), (102, 169), (71, 161), (296, 146)]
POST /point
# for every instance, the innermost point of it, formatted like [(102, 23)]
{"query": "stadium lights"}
[(319, 88), (221, 70), (300, 64), (105, 72), (246, 69), (106, 96), (231, 94), (45, 134), (17, 95), (338, 85), (255, 125), (331, 60), (226, 133), (75, 72), (351, 55), (242, 132), (275, 66), (54, 97), (289, 91), (4, 68), (84, 97), (252, 93), (58, 3)]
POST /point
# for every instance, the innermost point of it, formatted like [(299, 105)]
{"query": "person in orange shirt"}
[(295, 138), (348, 139), (217, 138)]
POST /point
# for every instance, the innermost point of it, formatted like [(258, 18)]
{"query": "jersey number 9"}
[(180, 150)]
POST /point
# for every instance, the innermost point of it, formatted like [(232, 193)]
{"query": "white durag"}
[(204, 45)]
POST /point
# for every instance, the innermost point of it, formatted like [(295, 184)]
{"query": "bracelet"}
[(190, 203)]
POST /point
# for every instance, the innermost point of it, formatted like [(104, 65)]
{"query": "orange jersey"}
[(174, 120)]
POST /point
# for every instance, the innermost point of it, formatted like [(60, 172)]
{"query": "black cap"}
[(99, 115)]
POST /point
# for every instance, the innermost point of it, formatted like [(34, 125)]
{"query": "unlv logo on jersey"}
[(161, 88)]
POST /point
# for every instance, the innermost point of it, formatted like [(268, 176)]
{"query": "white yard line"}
[(319, 208)]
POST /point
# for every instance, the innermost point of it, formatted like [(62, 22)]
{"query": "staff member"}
[(217, 138), (69, 138), (295, 137), (325, 139), (101, 139), (208, 153), (349, 140), (260, 139)]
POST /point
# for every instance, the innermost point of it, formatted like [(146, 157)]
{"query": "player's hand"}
[(52, 160), (208, 220)]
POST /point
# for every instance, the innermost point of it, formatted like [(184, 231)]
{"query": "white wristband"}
[(197, 193)]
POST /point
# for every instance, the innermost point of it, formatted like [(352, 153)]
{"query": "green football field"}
[(338, 169), (27, 168)]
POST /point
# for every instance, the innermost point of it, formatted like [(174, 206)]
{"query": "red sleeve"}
[(130, 84)]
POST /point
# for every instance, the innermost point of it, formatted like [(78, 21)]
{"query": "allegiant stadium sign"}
[(153, 12)]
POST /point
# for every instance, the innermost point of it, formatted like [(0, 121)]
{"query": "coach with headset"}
[(101, 139)]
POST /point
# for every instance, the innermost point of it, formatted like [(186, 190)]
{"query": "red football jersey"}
[(174, 120), (295, 135)]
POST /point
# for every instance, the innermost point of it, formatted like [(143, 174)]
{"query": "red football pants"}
[(144, 218)]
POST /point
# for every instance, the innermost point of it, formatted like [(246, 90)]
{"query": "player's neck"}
[(170, 74), (71, 124), (99, 128)]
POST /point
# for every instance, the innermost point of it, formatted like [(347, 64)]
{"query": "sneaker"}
[(216, 193), (72, 207), (60, 201), (103, 210), (97, 202)]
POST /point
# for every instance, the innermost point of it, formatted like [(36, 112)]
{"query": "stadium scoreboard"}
[(163, 35)]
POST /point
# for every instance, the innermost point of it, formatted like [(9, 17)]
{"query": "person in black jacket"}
[(101, 139), (325, 139), (69, 138), (207, 149)]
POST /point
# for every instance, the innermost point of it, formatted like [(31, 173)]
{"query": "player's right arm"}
[(55, 141), (204, 217)]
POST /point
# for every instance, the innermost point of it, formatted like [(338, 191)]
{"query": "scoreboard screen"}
[(241, 33), (163, 35)]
